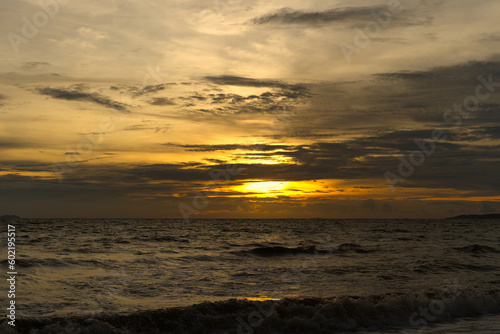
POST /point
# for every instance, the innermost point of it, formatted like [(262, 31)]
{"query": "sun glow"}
[(258, 188), (265, 187)]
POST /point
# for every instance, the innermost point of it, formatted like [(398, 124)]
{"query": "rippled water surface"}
[(74, 267)]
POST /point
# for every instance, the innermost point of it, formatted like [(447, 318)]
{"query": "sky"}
[(249, 108)]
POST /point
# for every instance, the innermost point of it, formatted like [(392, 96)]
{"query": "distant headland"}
[(5, 217), (488, 216)]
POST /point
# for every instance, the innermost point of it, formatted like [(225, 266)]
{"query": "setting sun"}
[(296, 189), (264, 187)]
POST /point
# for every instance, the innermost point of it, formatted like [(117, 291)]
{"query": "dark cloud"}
[(10, 143), (358, 159), (161, 101), (488, 38), (418, 99), (250, 108), (368, 157), (2, 97), (137, 91), (248, 82), (349, 152), (290, 16), (454, 74), (26, 166), (76, 93), (267, 97), (284, 99), (151, 89), (410, 14)]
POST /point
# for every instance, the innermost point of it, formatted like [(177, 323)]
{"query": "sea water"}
[(256, 276)]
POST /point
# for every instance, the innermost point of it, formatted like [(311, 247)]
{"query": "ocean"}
[(254, 276)]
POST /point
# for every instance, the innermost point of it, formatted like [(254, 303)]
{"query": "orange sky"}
[(245, 108)]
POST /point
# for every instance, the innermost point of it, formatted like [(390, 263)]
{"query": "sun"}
[(267, 187)]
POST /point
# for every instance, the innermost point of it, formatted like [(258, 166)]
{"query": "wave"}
[(51, 262), (306, 315), (22, 263), (398, 230), (161, 239), (280, 251), (352, 248), (477, 249), (454, 266)]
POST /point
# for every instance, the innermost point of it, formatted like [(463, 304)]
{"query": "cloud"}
[(136, 91), (33, 65), (280, 98), (230, 147), (369, 156), (290, 16), (453, 74), (283, 98), (161, 101), (141, 127), (488, 38), (77, 94), (8, 143), (354, 15), (151, 89), (249, 82)]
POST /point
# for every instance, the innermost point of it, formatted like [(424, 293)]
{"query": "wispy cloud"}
[(249, 82), (33, 65), (290, 16), (75, 94), (230, 147), (161, 101)]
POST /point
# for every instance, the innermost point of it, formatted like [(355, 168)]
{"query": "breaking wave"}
[(306, 315)]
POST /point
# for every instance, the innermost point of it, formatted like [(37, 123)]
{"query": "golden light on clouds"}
[(260, 188), (189, 89), (265, 187)]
